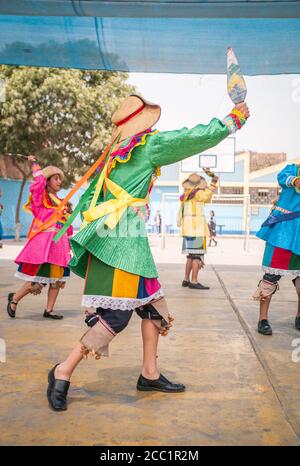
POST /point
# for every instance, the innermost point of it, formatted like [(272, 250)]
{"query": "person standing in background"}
[(157, 220), (212, 225), (193, 226)]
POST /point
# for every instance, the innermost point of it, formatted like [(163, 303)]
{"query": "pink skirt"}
[(41, 249)]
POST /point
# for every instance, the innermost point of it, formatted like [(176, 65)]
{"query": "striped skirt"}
[(280, 261), (42, 273), (194, 245), (111, 288)]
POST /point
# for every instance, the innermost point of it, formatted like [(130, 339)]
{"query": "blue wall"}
[(230, 216), (172, 206)]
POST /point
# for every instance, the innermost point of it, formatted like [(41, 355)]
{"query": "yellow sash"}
[(114, 207)]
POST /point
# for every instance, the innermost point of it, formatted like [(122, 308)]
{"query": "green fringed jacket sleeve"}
[(168, 147)]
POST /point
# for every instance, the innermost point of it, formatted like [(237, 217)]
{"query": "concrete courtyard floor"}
[(242, 388)]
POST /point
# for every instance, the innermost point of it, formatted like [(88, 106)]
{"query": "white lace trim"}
[(123, 304), (46, 280), (194, 251), (294, 273)]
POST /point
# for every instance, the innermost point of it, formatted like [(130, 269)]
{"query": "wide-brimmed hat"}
[(51, 170), (134, 116), (195, 181)]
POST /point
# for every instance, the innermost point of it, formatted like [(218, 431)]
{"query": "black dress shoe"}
[(57, 391), (161, 385), (297, 322), (198, 286), (51, 315), (10, 311), (185, 283), (264, 327)]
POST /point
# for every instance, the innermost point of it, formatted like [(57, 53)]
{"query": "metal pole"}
[(162, 240), (247, 224)]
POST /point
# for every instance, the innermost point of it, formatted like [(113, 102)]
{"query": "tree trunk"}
[(17, 217)]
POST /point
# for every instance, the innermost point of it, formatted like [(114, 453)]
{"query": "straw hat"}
[(134, 115), (195, 181), (51, 170)]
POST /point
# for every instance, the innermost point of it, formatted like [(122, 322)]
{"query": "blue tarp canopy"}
[(152, 36)]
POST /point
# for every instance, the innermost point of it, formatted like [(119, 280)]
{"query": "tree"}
[(62, 116)]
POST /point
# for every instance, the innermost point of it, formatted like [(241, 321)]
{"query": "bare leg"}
[(23, 291), (52, 296), (188, 268), (264, 308), (298, 313), (195, 270), (297, 286), (150, 336), (65, 369)]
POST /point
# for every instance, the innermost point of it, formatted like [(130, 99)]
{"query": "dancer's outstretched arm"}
[(37, 188), (288, 177), (168, 147)]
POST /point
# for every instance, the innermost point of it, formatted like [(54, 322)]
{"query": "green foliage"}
[(62, 116)]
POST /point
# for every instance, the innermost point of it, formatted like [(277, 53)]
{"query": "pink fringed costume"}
[(41, 260)]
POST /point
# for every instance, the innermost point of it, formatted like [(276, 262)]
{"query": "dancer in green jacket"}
[(111, 251)]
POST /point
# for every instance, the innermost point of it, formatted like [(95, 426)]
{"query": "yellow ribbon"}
[(114, 208)]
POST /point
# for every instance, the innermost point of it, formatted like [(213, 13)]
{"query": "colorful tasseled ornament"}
[(236, 85)]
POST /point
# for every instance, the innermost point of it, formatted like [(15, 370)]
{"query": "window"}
[(232, 190), (263, 193)]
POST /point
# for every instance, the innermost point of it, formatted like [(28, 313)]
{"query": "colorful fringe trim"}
[(234, 121), (42, 273), (280, 261), (190, 196), (194, 245), (124, 152), (112, 288)]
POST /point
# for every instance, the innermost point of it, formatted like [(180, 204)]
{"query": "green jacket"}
[(131, 252)]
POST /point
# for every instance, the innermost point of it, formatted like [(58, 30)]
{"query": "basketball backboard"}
[(220, 158)]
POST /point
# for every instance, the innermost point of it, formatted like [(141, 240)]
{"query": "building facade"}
[(243, 199)]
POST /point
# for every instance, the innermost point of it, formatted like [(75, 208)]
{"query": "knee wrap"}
[(163, 323), (148, 312), (265, 290), (36, 288), (57, 285), (96, 341)]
